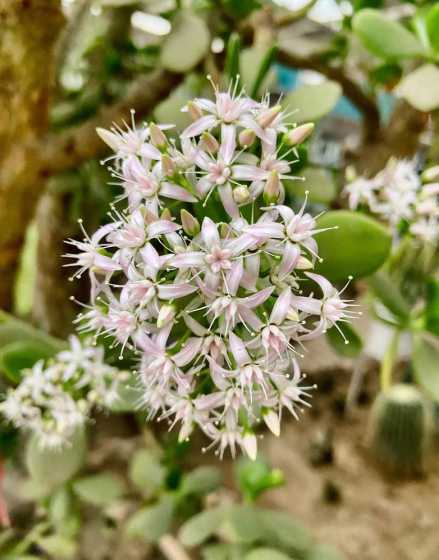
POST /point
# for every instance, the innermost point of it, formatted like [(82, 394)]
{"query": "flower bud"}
[(293, 315), (267, 117), (166, 315), (304, 264), (272, 188), (350, 174), (194, 111), (299, 134), (241, 195), (246, 138), (111, 139), (250, 445), (168, 165), (157, 136), (166, 214), (209, 143), (190, 224), (272, 421)]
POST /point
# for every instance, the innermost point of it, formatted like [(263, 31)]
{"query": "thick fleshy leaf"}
[(16, 356), (324, 552), (146, 472), (350, 346), (242, 524), (383, 37), (431, 314), (387, 291), (152, 522), (201, 481), (187, 44), (318, 182), (358, 247), (100, 489), (426, 364), (421, 88), (266, 554), (63, 514), (233, 50), (53, 467), (58, 546), (432, 21), (255, 477), (202, 526), (312, 101), (281, 531)]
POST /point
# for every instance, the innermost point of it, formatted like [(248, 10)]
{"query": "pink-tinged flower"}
[(129, 142)]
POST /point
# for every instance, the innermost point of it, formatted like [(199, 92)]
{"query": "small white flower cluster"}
[(215, 310), (53, 400), (396, 194)]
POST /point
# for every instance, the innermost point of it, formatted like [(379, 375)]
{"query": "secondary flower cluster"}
[(53, 400), (397, 195), (215, 311)]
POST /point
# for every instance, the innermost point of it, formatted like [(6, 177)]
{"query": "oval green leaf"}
[(312, 101), (350, 346), (266, 554), (201, 526), (384, 37), (318, 182), (20, 355), (420, 88), (100, 489), (187, 44), (426, 365), (358, 247)]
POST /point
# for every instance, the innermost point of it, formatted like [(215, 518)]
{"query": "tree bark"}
[(29, 30)]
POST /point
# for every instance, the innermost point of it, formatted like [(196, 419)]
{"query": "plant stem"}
[(388, 362)]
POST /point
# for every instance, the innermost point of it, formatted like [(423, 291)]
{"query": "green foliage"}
[(431, 313), (387, 291), (362, 245), (313, 101), (354, 345), (187, 44), (255, 477), (265, 554), (20, 355), (383, 37), (58, 546), (421, 88), (240, 9), (52, 467), (323, 552), (256, 70), (202, 526), (200, 481), (231, 68), (151, 522), (425, 358), (432, 23), (264, 69), (146, 472), (63, 513), (99, 489), (318, 182)]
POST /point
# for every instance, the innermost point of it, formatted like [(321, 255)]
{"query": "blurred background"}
[(356, 478)]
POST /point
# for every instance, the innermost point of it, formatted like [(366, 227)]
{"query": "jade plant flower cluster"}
[(54, 399), (398, 195), (205, 274)]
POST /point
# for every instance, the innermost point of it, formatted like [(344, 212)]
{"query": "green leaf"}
[(281, 531), (324, 552), (420, 88), (224, 551), (58, 546), (63, 514), (146, 472), (263, 71), (358, 247), (201, 481), (255, 477), (386, 290), (266, 554), (20, 355), (312, 101), (13, 330), (431, 313), (354, 344), (318, 182), (432, 21), (240, 8), (187, 44), (383, 37), (128, 396), (425, 357), (242, 524), (252, 60), (202, 526), (231, 68), (53, 467), (99, 489), (151, 522)]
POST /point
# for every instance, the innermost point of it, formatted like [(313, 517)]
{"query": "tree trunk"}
[(29, 30)]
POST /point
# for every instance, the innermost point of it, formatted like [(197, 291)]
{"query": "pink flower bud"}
[(241, 195), (157, 136), (209, 143), (168, 165), (299, 134), (304, 264), (190, 224), (250, 445), (272, 421), (246, 138), (267, 117), (166, 214), (166, 315), (194, 111), (272, 188)]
